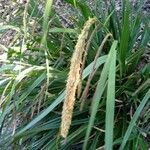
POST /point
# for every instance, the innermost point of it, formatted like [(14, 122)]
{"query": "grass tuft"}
[(109, 75)]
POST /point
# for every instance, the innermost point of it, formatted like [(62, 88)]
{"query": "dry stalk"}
[(74, 79), (93, 71), (83, 61)]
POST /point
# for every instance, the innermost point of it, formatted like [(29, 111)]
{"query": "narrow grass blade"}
[(18, 79), (47, 12), (108, 18), (73, 136), (95, 141), (110, 104), (3, 97), (4, 48), (75, 3), (63, 30), (25, 14), (142, 87), (6, 27), (31, 88), (4, 81), (134, 119), (98, 93), (123, 49), (46, 20)]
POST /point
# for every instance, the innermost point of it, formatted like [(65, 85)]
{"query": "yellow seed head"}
[(74, 79)]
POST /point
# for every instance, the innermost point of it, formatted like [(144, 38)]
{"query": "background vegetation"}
[(115, 79)]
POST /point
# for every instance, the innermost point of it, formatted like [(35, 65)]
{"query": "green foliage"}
[(33, 78)]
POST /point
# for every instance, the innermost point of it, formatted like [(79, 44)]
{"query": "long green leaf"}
[(75, 3), (123, 49), (110, 104), (98, 93), (47, 12), (6, 27), (44, 38), (63, 30)]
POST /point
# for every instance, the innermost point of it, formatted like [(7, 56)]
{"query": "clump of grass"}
[(74, 78), (115, 80)]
